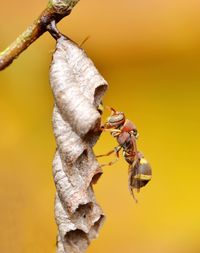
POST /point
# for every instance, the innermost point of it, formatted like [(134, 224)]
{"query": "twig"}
[(78, 88), (56, 10)]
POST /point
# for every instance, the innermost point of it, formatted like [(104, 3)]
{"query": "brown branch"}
[(56, 10)]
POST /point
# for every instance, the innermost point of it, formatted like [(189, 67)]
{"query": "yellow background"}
[(148, 51)]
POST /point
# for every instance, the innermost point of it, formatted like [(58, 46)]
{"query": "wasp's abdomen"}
[(140, 174)]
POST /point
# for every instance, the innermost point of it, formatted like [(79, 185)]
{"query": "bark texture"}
[(56, 10), (78, 89)]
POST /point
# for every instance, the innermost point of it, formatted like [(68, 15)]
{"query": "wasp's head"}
[(116, 119)]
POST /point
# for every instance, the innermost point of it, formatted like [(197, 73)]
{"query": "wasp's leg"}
[(130, 175), (112, 130), (116, 151), (107, 154), (133, 195), (133, 183)]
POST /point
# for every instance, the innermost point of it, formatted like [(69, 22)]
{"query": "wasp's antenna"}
[(111, 109), (83, 42)]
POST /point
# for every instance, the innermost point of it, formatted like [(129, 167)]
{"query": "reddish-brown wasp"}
[(126, 134)]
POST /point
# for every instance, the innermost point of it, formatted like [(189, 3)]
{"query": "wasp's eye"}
[(116, 118)]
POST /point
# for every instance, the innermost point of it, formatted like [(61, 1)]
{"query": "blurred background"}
[(148, 51)]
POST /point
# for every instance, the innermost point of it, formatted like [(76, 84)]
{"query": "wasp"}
[(126, 134)]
